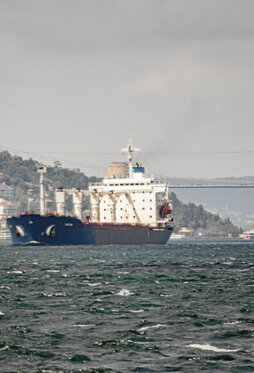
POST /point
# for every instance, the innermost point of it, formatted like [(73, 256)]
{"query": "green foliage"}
[(63, 177), (20, 173), (197, 218)]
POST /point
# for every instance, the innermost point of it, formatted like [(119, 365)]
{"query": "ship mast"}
[(129, 151), (42, 170)]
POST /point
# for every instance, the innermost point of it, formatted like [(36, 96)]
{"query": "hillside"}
[(235, 203), (22, 175), (195, 217)]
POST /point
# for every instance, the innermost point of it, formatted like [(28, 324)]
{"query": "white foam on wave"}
[(5, 287), (94, 284), (16, 272), (53, 270), (208, 347), (232, 323), (54, 294), (123, 273), (4, 348), (1, 313), (124, 293), (83, 325), (145, 328), (136, 311)]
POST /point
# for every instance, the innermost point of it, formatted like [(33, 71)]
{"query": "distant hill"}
[(236, 204), (22, 174), (205, 223)]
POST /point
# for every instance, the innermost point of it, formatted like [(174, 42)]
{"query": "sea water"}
[(180, 307)]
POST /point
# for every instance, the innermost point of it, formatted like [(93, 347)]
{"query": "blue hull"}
[(64, 230)]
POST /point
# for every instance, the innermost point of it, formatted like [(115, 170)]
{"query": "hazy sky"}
[(78, 77)]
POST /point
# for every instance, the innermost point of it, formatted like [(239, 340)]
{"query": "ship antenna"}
[(42, 170), (129, 151)]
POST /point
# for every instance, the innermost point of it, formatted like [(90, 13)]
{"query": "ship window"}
[(132, 184), (150, 216), (134, 216), (143, 200), (143, 208)]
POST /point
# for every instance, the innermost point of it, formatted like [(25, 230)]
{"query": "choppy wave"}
[(183, 307), (145, 328), (124, 293), (208, 347)]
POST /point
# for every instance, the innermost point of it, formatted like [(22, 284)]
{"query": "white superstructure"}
[(134, 200)]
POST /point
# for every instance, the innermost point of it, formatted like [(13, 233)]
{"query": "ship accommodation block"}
[(124, 201)]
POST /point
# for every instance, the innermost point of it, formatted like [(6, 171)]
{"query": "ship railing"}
[(124, 184)]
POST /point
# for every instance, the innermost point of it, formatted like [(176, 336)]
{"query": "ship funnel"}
[(138, 171)]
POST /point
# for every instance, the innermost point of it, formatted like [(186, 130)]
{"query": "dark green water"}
[(184, 307)]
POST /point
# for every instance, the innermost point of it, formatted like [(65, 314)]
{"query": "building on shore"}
[(6, 191)]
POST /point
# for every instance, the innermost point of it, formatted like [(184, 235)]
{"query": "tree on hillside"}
[(196, 217)]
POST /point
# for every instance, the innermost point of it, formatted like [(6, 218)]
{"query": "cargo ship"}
[(126, 208)]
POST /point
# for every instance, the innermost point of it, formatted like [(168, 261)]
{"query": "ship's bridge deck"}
[(124, 182)]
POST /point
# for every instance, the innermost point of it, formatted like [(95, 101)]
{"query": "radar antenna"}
[(129, 150)]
